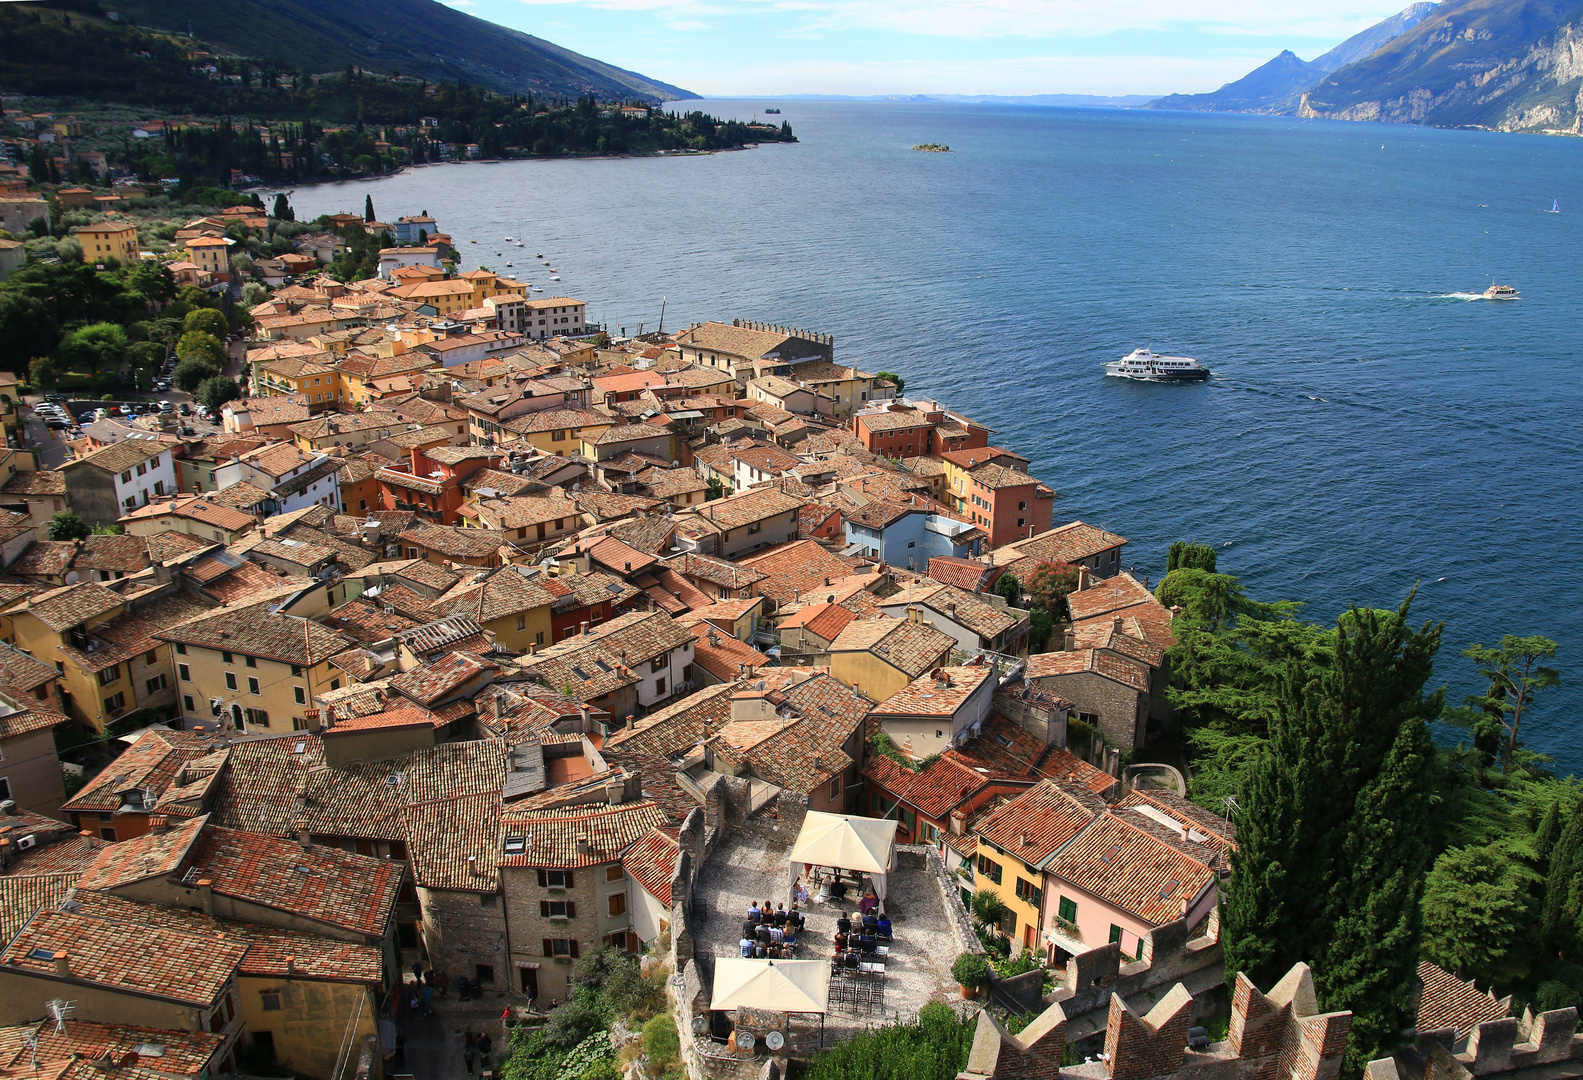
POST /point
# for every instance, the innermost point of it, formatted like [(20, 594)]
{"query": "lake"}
[(1370, 424)]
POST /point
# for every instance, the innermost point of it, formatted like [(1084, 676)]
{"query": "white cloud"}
[(983, 19), (1006, 75)]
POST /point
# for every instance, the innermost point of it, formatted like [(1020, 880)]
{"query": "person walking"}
[(486, 1046), (428, 1000), (469, 1048)]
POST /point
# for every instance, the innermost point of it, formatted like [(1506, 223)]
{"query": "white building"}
[(399, 258), (557, 315), (295, 479)]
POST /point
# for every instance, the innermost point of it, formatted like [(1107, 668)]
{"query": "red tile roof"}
[(652, 862), (1127, 865), (1042, 820)]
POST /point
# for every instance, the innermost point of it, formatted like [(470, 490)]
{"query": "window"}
[(618, 903), (1115, 932), (226, 657), (156, 684), (115, 703), (557, 909), (555, 879), (1068, 909), (257, 716), (187, 704), (299, 693), (989, 869), (151, 657), (522, 622), (659, 687), (560, 947), (230, 680), (538, 638), (126, 477), (486, 900), (184, 672), (296, 671), (250, 661), (618, 940), (335, 684), (181, 648), (486, 972), (252, 686), (613, 872), (110, 674), (835, 787), (1030, 893)]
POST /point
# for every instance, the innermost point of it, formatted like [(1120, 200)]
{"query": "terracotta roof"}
[(439, 679), (793, 569), (41, 482), (1066, 544), (933, 791), (1106, 595), (22, 672), (551, 836), (1041, 821), (1121, 669), (181, 1053), (23, 896), (717, 572), (197, 508), (120, 456), (963, 608), (1127, 865), (257, 631), (1211, 829), (747, 507), (189, 968), (676, 727), (804, 755), (364, 622), (44, 559), (1448, 1002), (505, 592), (912, 648), (454, 542), (651, 862), (927, 696), (825, 621), (601, 661), (722, 655)]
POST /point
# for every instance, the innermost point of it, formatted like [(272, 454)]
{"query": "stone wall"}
[(460, 933), (1121, 709), (1547, 1044), (1169, 955), (950, 893)]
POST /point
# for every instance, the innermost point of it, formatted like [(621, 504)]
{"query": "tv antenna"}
[(59, 1010), (1230, 802)]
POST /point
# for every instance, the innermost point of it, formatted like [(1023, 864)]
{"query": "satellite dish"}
[(745, 1040), (700, 1025), (774, 1040)]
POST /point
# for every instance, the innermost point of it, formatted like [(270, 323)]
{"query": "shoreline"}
[(681, 154)]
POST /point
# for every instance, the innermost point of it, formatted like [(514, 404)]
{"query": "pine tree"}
[(1333, 841), (1558, 925)]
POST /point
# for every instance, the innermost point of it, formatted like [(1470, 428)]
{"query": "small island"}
[(932, 148)]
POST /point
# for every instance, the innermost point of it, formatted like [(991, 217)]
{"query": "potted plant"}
[(971, 972)]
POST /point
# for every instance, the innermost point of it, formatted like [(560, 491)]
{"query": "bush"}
[(970, 970), (1024, 962), (661, 1043), (68, 526), (934, 1047), (993, 943), (988, 907)]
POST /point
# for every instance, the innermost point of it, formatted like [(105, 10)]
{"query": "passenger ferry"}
[(1501, 292), (1146, 365)]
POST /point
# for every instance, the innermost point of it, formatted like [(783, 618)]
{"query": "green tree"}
[(1477, 913), (1185, 556), (193, 373), (1334, 828), (42, 373), (27, 328), (207, 321), (1008, 587), (198, 343), (68, 526), (94, 346), (254, 293), (661, 1043), (901, 383), (368, 208), (216, 391), (1040, 627), (1048, 586), (283, 211), (1515, 672), (1558, 926), (152, 281)]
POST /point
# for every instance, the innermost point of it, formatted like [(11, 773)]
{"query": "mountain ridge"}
[(422, 38)]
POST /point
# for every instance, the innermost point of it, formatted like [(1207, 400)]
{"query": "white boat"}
[(1146, 365), (1555, 207), (1501, 292), (555, 277)]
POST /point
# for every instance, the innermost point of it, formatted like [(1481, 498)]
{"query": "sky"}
[(726, 48)]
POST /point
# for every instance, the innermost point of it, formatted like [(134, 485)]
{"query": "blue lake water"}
[(1369, 425)]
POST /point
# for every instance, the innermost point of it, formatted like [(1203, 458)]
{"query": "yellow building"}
[(485, 285), (212, 255), (306, 1020), (358, 371), (107, 240), (63, 627), (444, 296), (299, 375), (515, 609), (264, 668), (878, 657), (561, 432)]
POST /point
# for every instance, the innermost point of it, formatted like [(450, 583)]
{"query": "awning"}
[(864, 844), (789, 986)]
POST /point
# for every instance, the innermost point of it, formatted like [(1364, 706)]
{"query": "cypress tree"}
[(1333, 831), (1558, 925), (1545, 838), (368, 208)]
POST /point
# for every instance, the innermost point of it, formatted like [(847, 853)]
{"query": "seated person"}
[(764, 933), (754, 914), (800, 893), (867, 943), (750, 928), (794, 916), (843, 925), (870, 922), (882, 930), (791, 934), (778, 916), (777, 935), (851, 960), (840, 941), (747, 946), (761, 951), (869, 902), (837, 889)]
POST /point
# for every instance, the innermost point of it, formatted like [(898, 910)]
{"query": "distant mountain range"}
[(421, 38), (1123, 101), (1278, 86)]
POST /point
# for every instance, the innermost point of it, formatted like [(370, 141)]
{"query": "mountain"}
[(1509, 65), (422, 38), (1277, 87)]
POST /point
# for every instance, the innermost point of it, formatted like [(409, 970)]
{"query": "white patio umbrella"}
[(864, 844)]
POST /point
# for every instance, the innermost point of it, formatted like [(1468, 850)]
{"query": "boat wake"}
[(1461, 296)]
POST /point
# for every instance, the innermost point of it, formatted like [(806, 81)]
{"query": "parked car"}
[(165, 406), (184, 409)]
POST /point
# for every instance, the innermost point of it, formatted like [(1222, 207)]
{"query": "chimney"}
[(62, 965), (1176, 611), (1025, 841), (472, 866), (159, 823), (1186, 833), (1069, 640), (583, 846), (291, 965), (583, 627), (1082, 579), (912, 613), (302, 836), (950, 608), (958, 823), (329, 717)]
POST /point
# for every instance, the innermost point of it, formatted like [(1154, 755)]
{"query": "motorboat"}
[(1146, 365), (1501, 292)]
